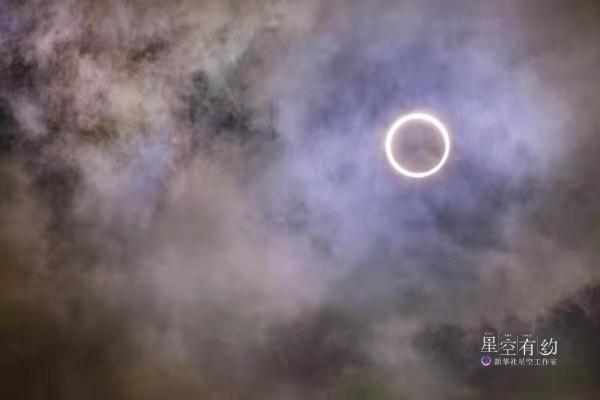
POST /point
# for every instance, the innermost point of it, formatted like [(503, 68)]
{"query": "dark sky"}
[(195, 202)]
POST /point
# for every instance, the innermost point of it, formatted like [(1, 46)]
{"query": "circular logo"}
[(486, 361), (397, 127)]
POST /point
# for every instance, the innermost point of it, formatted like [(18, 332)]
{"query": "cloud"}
[(196, 194)]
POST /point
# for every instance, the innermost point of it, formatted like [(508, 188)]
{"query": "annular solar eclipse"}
[(396, 129)]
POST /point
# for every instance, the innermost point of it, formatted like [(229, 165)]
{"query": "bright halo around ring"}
[(397, 127)]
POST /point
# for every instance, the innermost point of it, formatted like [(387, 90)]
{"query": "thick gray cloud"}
[(195, 201)]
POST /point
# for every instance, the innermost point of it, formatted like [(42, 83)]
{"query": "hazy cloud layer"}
[(195, 201)]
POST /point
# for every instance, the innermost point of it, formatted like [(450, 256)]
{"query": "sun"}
[(396, 128)]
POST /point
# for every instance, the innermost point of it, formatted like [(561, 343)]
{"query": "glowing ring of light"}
[(420, 117)]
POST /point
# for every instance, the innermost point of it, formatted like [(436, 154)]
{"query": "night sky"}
[(195, 202)]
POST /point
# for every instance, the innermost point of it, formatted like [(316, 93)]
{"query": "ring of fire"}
[(396, 127)]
